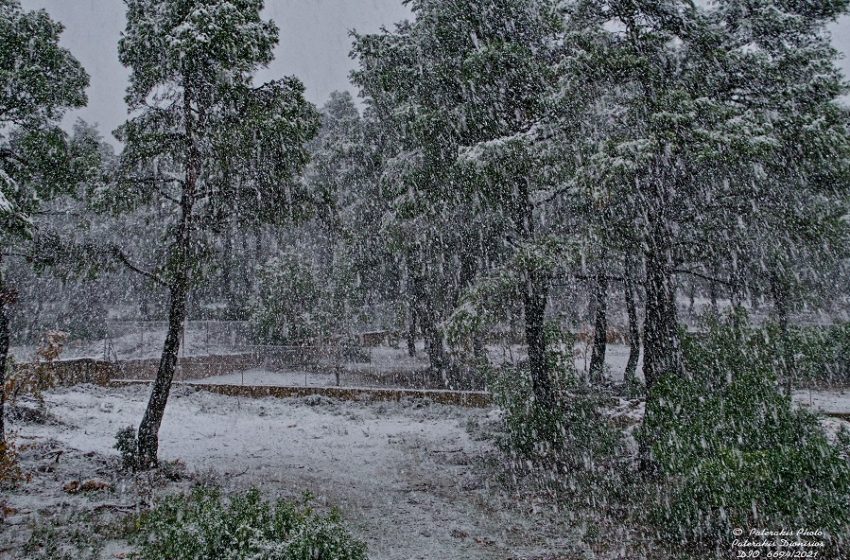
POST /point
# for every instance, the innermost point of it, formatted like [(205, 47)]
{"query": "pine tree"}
[(39, 80), (205, 141), (461, 87)]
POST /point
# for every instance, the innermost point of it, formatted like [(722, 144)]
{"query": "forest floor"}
[(414, 479)]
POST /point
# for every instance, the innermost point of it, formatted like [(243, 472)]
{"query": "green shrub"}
[(735, 452), (202, 525), (571, 432), (819, 354), (125, 443)]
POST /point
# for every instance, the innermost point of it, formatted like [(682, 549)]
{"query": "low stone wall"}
[(193, 367), (99, 372), (476, 399), (73, 372)]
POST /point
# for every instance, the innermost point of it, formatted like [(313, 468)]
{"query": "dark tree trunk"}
[(535, 296), (478, 346), (411, 330), (411, 288), (662, 347), (600, 326), (630, 374), (148, 439), (227, 276), (424, 312), (535, 313), (434, 345), (148, 436), (780, 300), (5, 335)]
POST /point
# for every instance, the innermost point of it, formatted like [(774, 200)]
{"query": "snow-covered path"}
[(402, 473)]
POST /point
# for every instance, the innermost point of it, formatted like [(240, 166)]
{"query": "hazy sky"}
[(314, 45)]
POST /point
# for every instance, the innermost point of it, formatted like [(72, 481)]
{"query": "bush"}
[(10, 469), (820, 354), (735, 452), (572, 432), (202, 525), (125, 443)]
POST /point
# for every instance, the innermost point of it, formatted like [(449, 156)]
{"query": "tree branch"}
[(119, 254), (704, 276)]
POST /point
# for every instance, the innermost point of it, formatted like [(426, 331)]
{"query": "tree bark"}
[(780, 300), (411, 330), (148, 435), (630, 374), (5, 336), (600, 327), (424, 312), (662, 347), (536, 294), (148, 438)]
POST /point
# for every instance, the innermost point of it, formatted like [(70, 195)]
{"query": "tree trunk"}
[(534, 304), (630, 374), (662, 347), (148, 436), (411, 330), (600, 328), (424, 312), (780, 300), (5, 335)]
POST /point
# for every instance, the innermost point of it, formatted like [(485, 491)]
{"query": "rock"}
[(458, 534), (95, 484), (91, 485)]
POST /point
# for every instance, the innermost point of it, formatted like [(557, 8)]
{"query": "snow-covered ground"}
[(411, 478), (835, 401), (406, 476)]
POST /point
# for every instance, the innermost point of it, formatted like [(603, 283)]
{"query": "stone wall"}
[(194, 367), (461, 398), (73, 372)]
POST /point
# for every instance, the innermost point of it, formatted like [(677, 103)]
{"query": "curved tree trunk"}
[(148, 438), (148, 435)]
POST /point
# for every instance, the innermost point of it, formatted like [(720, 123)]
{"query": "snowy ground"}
[(407, 476), (835, 401)]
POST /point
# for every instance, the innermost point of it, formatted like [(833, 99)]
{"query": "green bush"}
[(819, 354), (735, 452), (125, 443), (202, 526), (571, 432)]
